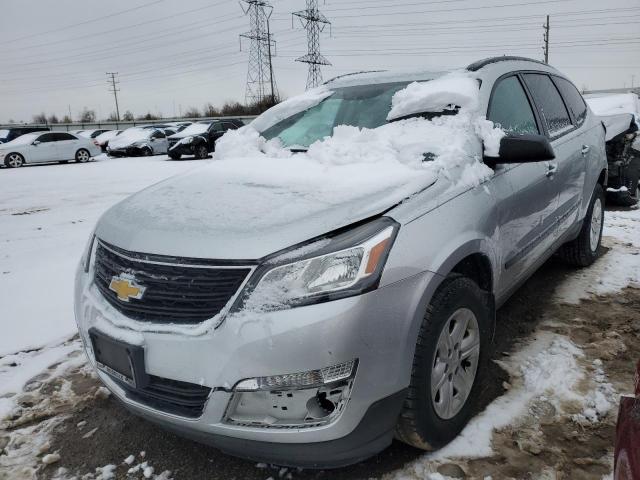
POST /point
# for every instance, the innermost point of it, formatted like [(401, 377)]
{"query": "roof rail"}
[(352, 73), (488, 61)]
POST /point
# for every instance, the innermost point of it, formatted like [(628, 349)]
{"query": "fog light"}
[(304, 399), (311, 378)]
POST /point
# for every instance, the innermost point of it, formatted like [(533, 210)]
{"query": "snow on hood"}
[(258, 197), (129, 136), (614, 104), (108, 135), (456, 88)]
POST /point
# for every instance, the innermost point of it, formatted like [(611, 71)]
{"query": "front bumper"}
[(377, 329), (182, 148)]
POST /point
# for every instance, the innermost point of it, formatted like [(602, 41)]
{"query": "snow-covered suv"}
[(330, 279)]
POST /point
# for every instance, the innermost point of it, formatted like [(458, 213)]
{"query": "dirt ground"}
[(90, 429)]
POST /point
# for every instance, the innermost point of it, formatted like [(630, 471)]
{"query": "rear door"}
[(67, 144), (522, 190), (566, 173)]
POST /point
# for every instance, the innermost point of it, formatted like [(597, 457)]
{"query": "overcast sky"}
[(173, 54)]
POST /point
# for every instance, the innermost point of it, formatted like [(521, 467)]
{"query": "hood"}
[(202, 214), (129, 137)]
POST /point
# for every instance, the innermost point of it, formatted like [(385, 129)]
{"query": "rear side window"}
[(574, 100), (549, 102), (510, 108), (63, 136)]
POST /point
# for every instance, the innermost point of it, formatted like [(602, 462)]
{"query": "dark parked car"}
[(198, 139), (8, 134)]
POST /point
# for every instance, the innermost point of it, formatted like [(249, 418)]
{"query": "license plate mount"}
[(118, 359)]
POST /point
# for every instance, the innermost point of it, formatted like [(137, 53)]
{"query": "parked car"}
[(135, 142), (306, 323), (46, 147), (92, 133), (198, 139), (8, 134), (627, 454), (102, 140), (624, 159)]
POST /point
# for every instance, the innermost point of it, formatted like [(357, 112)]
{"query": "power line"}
[(260, 68), (115, 91), (314, 22)]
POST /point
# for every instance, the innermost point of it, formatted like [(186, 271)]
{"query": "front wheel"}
[(82, 156), (175, 156), (584, 250), (14, 160), (202, 151), (448, 366)]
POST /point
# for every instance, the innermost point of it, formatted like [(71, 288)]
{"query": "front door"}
[(45, 150), (523, 192)]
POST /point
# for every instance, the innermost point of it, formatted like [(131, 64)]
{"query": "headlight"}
[(347, 264), (187, 140)]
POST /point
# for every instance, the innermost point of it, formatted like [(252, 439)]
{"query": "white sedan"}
[(47, 147)]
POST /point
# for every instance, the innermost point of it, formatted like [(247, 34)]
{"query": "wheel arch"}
[(24, 157)]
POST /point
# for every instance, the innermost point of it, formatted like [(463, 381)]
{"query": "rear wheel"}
[(202, 151), (14, 160), (82, 155), (584, 250), (448, 366)]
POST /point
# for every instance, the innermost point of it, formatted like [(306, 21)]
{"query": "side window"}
[(574, 100), (549, 102), (63, 136), (157, 134), (217, 127), (229, 126), (510, 108), (47, 137)]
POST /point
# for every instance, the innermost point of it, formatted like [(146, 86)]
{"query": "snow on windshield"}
[(131, 135), (4, 133), (457, 89), (355, 161), (195, 129), (25, 139), (290, 107), (108, 135)]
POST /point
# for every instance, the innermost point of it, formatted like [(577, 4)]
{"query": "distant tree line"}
[(229, 109)]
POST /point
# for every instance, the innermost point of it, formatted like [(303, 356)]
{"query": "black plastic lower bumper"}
[(372, 435)]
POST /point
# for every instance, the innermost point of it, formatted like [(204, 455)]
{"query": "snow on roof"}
[(374, 77)]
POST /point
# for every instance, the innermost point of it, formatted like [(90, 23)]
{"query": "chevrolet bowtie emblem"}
[(126, 287)]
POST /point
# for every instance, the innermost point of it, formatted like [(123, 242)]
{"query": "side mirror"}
[(36, 143), (523, 149)]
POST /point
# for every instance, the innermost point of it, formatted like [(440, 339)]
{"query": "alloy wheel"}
[(82, 156), (455, 363), (596, 225), (14, 160)]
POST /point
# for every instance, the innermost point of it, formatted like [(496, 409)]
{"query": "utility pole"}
[(260, 68), (114, 90), (313, 22), (546, 27)]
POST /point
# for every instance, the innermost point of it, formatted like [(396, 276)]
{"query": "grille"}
[(171, 396), (174, 292)]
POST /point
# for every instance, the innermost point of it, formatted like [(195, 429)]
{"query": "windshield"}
[(364, 106), (24, 139), (195, 129)]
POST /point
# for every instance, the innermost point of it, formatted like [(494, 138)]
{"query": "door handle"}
[(552, 168), (585, 149)]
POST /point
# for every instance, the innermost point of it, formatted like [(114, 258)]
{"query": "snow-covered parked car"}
[(45, 148), (331, 279), (102, 140), (620, 113), (136, 141), (198, 139)]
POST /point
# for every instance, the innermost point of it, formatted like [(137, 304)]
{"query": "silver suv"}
[(388, 329)]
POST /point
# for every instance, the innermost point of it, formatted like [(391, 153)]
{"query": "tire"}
[(82, 155), (14, 160), (425, 421), (201, 151), (146, 152), (175, 156), (585, 249)]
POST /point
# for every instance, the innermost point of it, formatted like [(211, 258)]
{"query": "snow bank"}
[(290, 107), (458, 89)]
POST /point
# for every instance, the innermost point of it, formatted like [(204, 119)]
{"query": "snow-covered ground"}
[(47, 213)]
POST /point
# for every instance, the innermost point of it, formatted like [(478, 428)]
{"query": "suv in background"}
[(8, 134), (199, 139), (307, 320)]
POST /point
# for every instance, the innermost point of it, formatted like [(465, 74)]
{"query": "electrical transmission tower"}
[(260, 82), (313, 22), (113, 89)]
